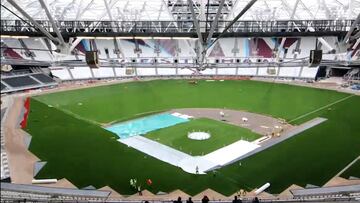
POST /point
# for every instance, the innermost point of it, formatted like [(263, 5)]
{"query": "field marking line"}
[(321, 108), (68, 112), (348, 166)]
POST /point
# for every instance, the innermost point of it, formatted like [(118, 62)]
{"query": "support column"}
[(135, 71), (156, 70), (348, 34), (301, 70), (114, 71), (69, 71), (92, 73)]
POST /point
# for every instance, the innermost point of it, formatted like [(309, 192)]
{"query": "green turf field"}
[(222, 134), (106, 104), (354, 171), (83, 152)]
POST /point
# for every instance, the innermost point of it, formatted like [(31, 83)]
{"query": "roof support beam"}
[(348, 34), (104, 13), (196, 22), (75, 43), (160, 12), (44, 6), (294, 10), (357, 35), (66, 9), (288, 9), (197, 27), (231, 14), (214, 23), (169, 12), (350, 9), (110, 15), (45, 32), (242, 12), (356, 43), (307, 10), (81, 12), (79, 8), (327, 11)]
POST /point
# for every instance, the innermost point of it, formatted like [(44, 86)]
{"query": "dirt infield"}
[(261, 124)]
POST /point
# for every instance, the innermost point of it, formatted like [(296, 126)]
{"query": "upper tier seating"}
[(20, 81), (169, 48), (43, 78), (165, 51), (24, 82), (2, 86)]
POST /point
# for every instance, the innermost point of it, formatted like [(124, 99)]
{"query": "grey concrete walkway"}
[(169, 155), (276, 140)]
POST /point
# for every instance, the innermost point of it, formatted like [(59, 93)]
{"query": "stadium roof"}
[(130, 10)]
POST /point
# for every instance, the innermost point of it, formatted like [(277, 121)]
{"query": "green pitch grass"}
[(81, 151), (222, 134), (125, 101), (354, 171)]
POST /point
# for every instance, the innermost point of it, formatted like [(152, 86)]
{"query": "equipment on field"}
[(193, 82), (262, 188), (149, 182)]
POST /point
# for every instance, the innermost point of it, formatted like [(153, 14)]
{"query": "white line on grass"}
[(348, 166), (321, 108)]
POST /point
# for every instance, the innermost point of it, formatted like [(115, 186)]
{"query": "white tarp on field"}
[(185, 161)]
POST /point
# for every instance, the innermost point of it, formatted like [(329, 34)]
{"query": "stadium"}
[(180, 101)]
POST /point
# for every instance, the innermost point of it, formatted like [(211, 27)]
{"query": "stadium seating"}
[(20, 81), (150, 52), (25, 81)]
